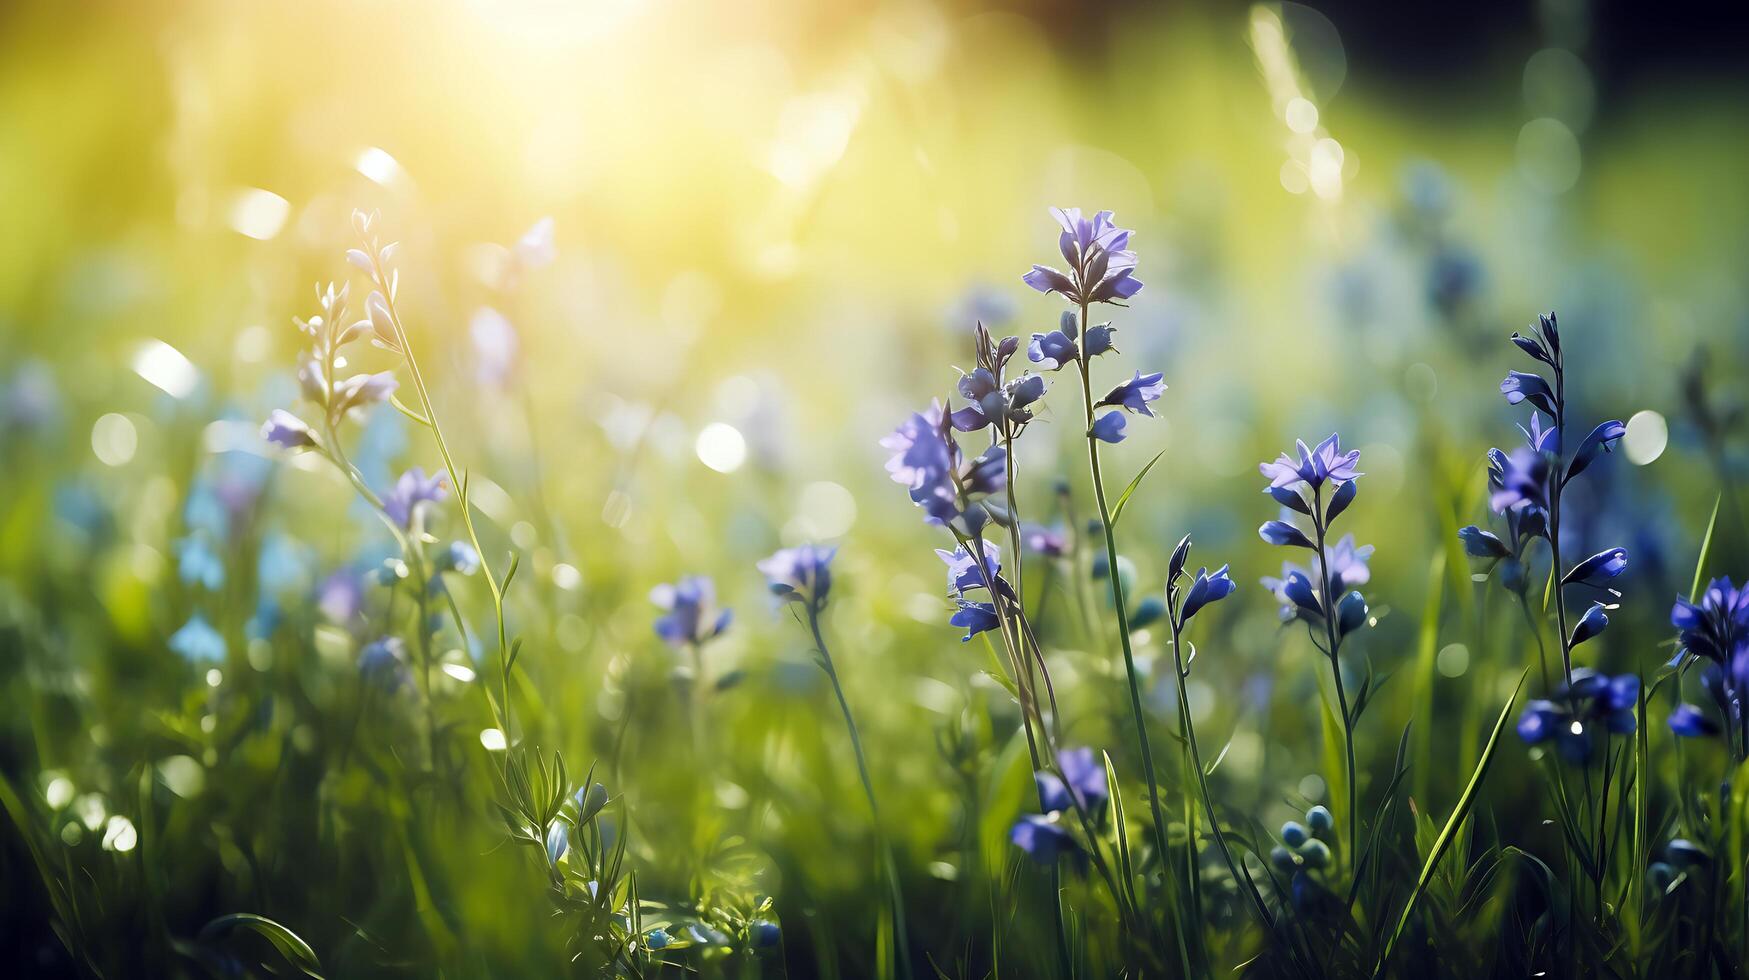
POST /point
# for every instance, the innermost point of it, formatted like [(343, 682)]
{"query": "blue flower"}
[(964, 574), (1042, 838), (1519, 480), (1593, 622), (1283, 534), (1315, 467), (1206, 589), (1048, 541), (764, 934), (1591, 704), (974, 618), (384, 663), (1101, 266), (1601, 440), (1482, 544), (558, 841), (1055, 350), (929, 463), (459, 557), (286, 430), (1136, 393), (1000, 405), (1110, 427), (1689, 721), (1521, 387), (197, 564), (692, 614), (801, 574), (410, 491), (1717, 628), (1083, 782), (1597, 569), (198, 642)]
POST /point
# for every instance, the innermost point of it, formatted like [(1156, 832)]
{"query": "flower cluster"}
[(941, 479), (1101, 266), (1578, 711), (990, 401), (1318, 484), (964, 574), (1714, 631), (801, 575), (1525, 484), (1300, 846)]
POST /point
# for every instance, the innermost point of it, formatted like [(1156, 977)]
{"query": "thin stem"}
[(900, 941), (1334, 649), (1123, 618)]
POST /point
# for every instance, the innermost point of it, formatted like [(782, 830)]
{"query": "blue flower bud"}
[(1283, 859), (765, 934), (1294, 833), (1316, 854), (1320, 820)]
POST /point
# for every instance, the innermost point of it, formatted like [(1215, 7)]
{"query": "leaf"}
[(294, 949), (410, 413), (1118, 821), (1124, 498), (1458, 815), (1706, 546)]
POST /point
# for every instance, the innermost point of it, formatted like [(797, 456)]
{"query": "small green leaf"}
[(410, 413), (1124, 498), (294, 949)]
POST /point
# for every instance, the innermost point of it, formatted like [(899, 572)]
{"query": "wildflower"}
[(1589, 625), (1298, 594), (963, 573), (1717, 628), (1082, 783), (802, 574), (1597, 569), (411, 490), (340, 597), (992, 404), (1136, 393), (929, 463), (495, 347), (287, 431), (1689, 721), (974, 617), (198, 642), (1110, 427), (1042, 838), (1205, 589), (1048, 541), (692, 616), (1315, 467), (1057, 349), (764, 934), (362, 390), (384, 662), (1575, 711), (196, 564), (459, 557), (1101, 267)]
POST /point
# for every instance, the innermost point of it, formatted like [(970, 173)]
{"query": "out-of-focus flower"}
[(410, 491), (361, 390), (1048, 541), (197, 564), (802, 574), (1101, 266), (198, 642), (286, 430), (459, 557), (1042, 838), (340, 597), (692, 614), (1578, 711), (495, 347), (535, 249), (1083, 782), (384, 663), (927, 460)]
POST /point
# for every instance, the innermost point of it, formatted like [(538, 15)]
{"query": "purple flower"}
[(990, 403), (1055, 350), (410, 491), (1601, 440), (1715, 629), (801, 574), (340, 597), (1521, 387), (1482, 544), (1314, 467), (1283, 534), (1083, 782), (692, 614), (923, 459), (1136, 393), (964, 574), (1298, 594), (1110, 427), (1206, 589), (361, 390), (1043, 839), (1519, 480), (1101, 266), (1048, 541), (287, 431), (974, 618)]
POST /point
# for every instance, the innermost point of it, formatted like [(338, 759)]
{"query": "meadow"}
[(894, 490)]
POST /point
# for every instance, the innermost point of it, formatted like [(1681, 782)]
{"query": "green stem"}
[(1123, 619), (1334, 642), (901, 943)]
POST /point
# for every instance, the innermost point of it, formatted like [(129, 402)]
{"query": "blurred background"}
[(774, 226)]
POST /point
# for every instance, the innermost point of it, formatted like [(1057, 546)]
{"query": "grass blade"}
[(1124, 498), (1458, 815)]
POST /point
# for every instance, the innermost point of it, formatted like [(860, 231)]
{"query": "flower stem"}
[(1123, 619), (1334, 642), (900, 943)]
